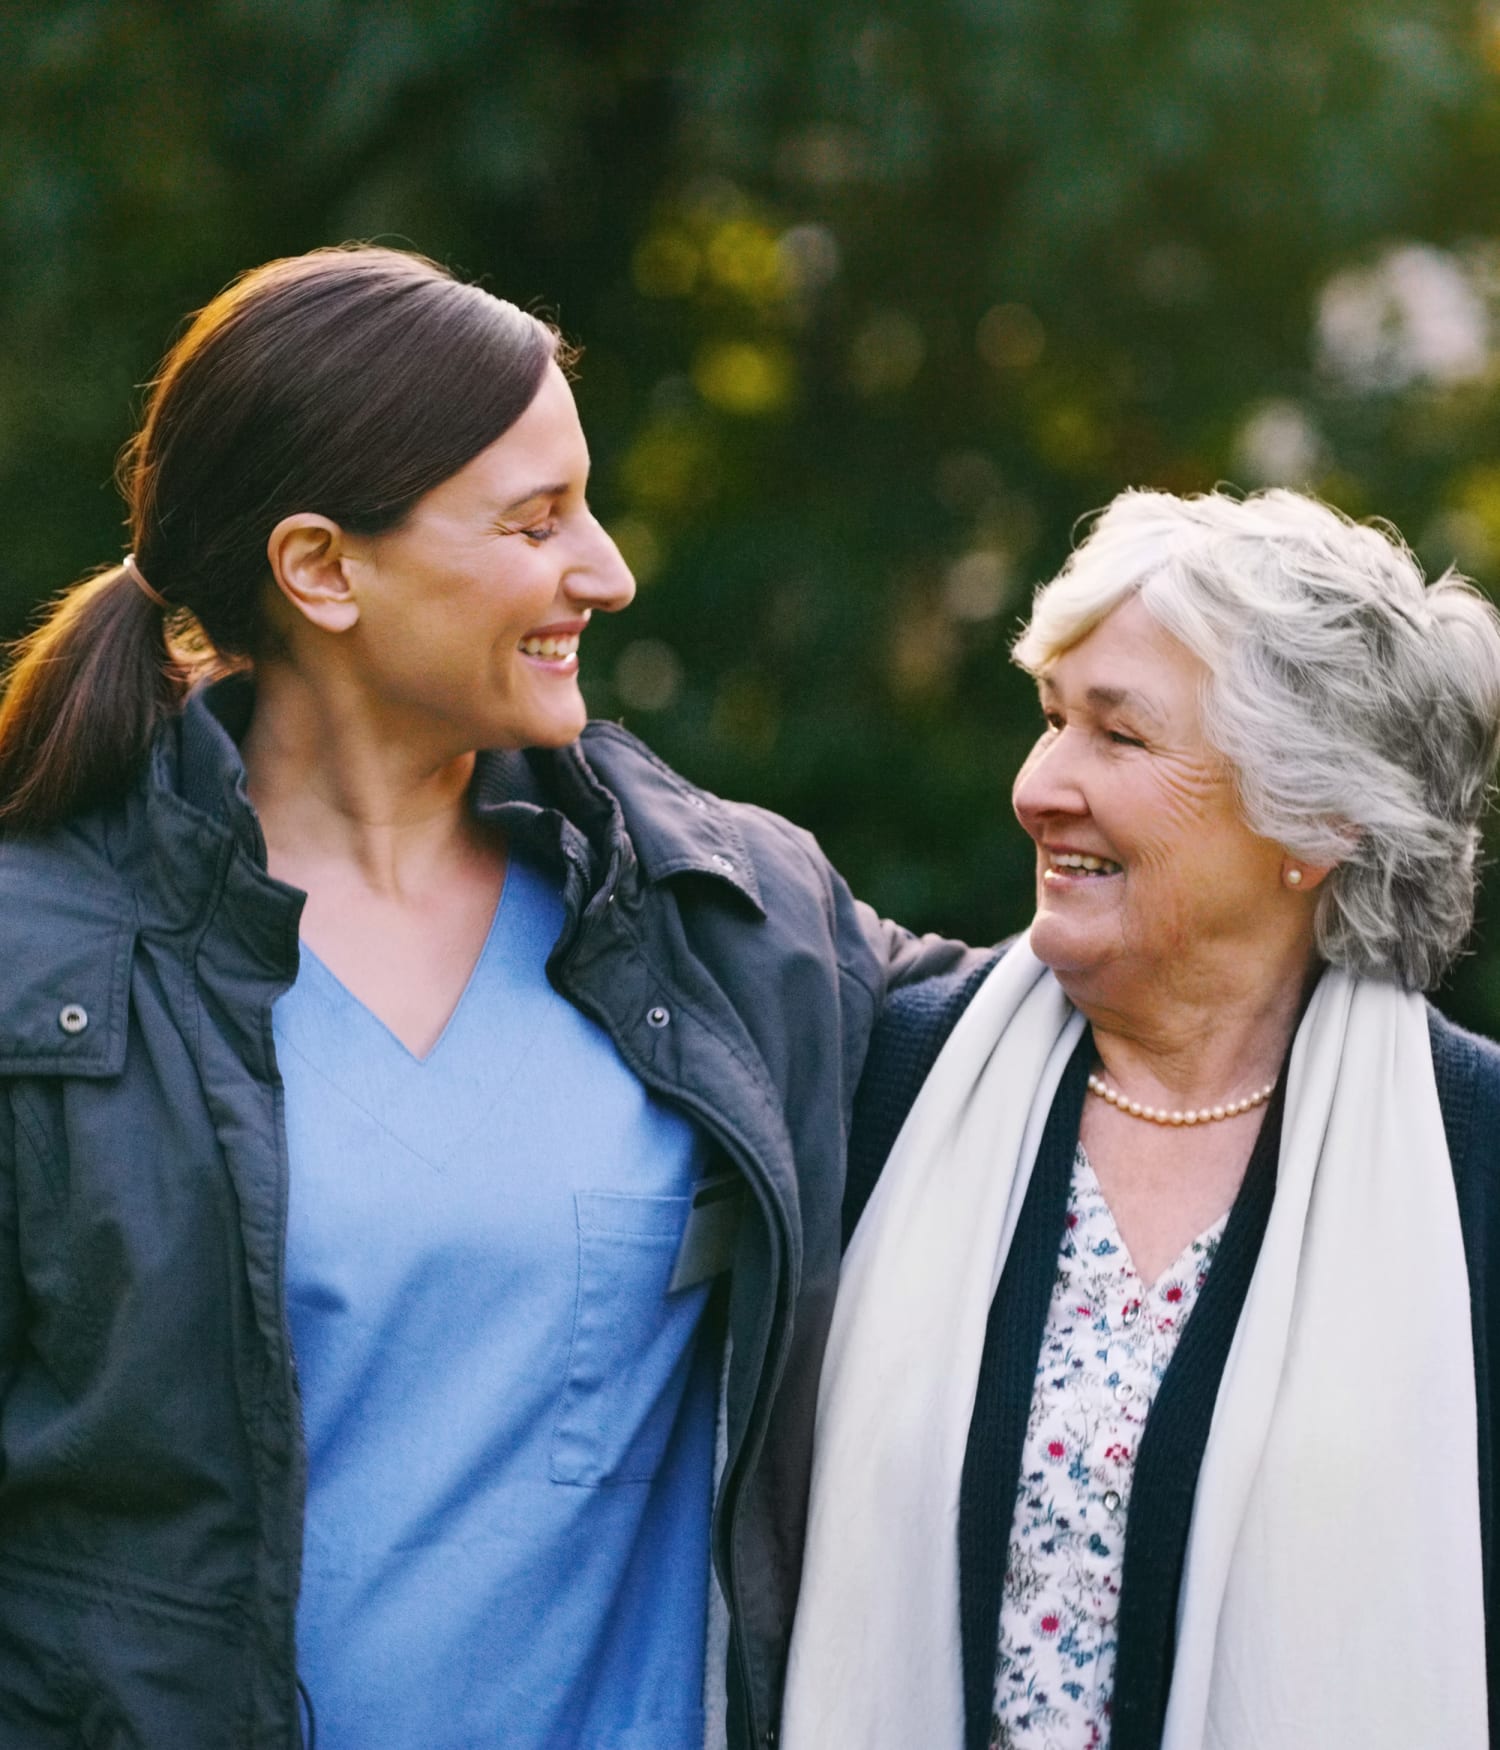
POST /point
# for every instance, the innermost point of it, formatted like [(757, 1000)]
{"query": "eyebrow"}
[(1101, 698), (553, 491)]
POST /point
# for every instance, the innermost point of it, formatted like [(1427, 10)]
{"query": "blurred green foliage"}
[(877, 300)]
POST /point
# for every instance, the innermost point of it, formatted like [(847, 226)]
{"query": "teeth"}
[(1091, 865), (551, 648)]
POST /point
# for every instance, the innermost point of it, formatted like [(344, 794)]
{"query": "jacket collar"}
[(185, 845), (206, 852), (607, 785), (181, 846), (676, 828)]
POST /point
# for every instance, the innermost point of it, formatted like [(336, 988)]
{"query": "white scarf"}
[(1332, 1592)]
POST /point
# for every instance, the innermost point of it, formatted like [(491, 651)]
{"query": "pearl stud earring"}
[(1294, 877)]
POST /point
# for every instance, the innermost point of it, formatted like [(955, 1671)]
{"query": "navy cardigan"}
[(913, 1029)]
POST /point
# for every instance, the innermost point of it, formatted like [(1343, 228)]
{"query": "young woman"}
[(404, 1087)]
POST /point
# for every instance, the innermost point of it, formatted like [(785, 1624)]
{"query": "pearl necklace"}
[(1204, 1114)]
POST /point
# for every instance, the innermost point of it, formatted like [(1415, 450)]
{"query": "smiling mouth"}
[(1078, 866), (551, 649)]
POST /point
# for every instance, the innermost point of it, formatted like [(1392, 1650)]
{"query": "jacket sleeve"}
[(883, 956), (11, 1299), (911, 959)]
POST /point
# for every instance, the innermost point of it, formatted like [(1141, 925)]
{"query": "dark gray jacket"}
[(152, 1470)]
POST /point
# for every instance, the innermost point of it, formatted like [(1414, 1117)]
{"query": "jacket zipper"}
[(294, 1380), (776, 1339)]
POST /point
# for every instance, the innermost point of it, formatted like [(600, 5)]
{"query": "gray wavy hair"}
[(1357, 705)]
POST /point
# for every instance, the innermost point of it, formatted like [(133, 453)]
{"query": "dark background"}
[(876, 301)]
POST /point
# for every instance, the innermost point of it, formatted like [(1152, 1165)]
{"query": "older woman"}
[(1158, 1406)]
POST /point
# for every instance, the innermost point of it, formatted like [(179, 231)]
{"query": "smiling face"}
[(1147, 878), (470, 613)]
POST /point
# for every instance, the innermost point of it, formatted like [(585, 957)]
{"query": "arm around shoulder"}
[(911, 1031), (912, 959)]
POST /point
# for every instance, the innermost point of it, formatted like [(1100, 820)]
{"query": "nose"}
[(1047, 784), (601, 579)]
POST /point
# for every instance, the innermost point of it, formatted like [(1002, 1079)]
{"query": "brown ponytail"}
[(85, 691), (348, 382)]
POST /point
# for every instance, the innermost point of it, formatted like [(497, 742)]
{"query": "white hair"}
[(1357, 705)]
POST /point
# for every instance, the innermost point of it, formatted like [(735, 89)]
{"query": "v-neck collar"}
[(1086, 1190), (323, 970)]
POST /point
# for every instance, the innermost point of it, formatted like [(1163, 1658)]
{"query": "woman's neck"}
[(1178, 1048), (337, 790)]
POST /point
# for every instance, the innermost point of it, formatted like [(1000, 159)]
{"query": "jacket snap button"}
[(658, 1017), (721, 862), (73, 1018)]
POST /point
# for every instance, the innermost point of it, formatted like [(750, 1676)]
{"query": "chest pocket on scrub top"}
[(633, 1342)]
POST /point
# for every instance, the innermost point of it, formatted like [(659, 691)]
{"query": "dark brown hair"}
[(348, 382)]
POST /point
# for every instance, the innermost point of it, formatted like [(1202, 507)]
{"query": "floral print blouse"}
[(1105, 1348)]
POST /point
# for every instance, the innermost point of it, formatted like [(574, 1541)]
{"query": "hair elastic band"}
[(138, 578)]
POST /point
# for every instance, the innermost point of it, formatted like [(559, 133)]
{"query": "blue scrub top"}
[(509, 1419)]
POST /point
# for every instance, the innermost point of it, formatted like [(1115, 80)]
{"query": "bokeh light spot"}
[(744, 378), (1278, 445), (1010, 337), (743, 257), (648, 675), (667, 466), (1068, 436), (977, 585), (639, 546), (886, 354), (809, 258), (1414, 315)]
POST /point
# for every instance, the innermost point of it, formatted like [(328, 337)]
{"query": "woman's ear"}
[(1301, 875), (306, 553)]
